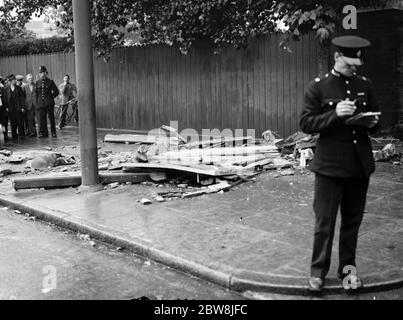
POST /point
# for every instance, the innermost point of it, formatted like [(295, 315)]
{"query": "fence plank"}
[(145, 87)]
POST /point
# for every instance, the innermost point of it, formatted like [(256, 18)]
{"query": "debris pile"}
[(388, 153), (174, 167)]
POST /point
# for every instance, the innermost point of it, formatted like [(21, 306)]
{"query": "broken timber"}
[(213, 171), (74, 180), (217, 152), (216, 142), (131, 138)]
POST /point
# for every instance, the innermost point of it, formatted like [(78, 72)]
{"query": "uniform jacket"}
[(46, 91), (14, 101), (30, 96), (342, 150)]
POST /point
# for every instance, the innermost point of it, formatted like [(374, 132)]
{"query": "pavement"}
[(256, 237)]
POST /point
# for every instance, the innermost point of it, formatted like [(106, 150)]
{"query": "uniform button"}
[(348, 92), (347, 82), (355, 141), (364, 103), (354, 132), (330, 103)]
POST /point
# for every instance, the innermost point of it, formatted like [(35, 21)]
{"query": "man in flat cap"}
[(19, 80), (46, 92), (343, 160), (15, 107), (2, 107)]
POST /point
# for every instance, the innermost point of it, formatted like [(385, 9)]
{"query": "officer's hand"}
[(345, 108)]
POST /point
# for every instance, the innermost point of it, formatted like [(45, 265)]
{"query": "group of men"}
[(22, 104)]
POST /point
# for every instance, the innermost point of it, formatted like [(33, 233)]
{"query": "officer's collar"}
[(339, 75)]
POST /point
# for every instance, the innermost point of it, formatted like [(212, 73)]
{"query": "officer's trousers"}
[(44, 113), (348, 194)]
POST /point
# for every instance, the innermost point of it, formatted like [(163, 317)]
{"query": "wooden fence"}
[(145, 87)]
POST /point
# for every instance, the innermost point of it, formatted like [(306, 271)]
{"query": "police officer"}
[(343, 159), (46, 91)]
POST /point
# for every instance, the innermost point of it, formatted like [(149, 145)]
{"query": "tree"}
[(181, 22)]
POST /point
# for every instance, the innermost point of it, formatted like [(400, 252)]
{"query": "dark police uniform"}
[(46, 91), (343, 163)]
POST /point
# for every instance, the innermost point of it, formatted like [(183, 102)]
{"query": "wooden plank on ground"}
[(222, 160), (215, 141), (213, 171), (74, 180), (131, 138), (232, 151)]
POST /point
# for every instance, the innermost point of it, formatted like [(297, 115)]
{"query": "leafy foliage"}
[(181, 22), (28, 46)]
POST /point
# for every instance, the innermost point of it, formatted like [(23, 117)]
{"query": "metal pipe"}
[(86, 92)]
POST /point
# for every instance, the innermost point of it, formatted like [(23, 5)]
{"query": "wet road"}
[(41, 261)]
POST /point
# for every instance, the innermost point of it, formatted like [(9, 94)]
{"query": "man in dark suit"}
[(343, 159), (46, 91), (30, 105), (3, 110), (15, 107)]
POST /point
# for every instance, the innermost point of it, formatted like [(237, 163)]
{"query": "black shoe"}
[(315, 285), (352, 285)]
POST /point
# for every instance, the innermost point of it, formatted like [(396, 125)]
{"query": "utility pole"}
[(86, 93)]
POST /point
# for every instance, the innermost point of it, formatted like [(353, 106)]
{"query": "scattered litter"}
[(92, 243), (145, 201), (113, 185), (147, 263), (6, 153), (85, 237), (159, 199), (270, 136), (305, 155), (387, 153)]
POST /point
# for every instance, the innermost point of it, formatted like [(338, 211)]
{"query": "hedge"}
[(17, 47)]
